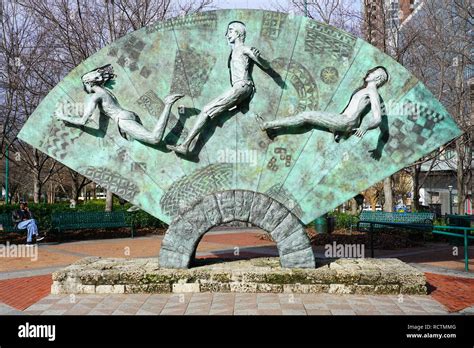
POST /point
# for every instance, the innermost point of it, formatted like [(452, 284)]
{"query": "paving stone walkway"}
[(454, 292), (25, 285), (21, 293), (235, 304)]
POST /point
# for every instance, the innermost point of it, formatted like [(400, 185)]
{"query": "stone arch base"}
[(183, 235)]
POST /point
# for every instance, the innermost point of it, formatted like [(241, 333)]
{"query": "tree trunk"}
[(353, 207), (388, 193), (36, 188), (51, 193), (373, 202), (74, 194), (460, 184), (94, 190), (109, 201), (36, 177), (416, 187)]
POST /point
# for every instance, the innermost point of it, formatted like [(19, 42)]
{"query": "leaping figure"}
[(127, 121), (241, 61), (350, 120)]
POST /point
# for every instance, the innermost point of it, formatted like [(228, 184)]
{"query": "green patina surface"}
[(314, 67)]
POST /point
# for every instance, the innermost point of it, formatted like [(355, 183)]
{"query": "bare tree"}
[(21, 91), (71, 183), (343, 14), (440, 64), (374, 195), (42, 40)]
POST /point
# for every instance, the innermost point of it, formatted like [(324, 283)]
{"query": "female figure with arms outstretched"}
[(128, 122)]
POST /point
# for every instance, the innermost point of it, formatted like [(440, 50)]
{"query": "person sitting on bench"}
[(23, 218)]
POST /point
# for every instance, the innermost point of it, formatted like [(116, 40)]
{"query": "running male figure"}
[(241, 61)]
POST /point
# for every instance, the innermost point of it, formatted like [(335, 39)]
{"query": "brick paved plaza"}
[(25, 285)]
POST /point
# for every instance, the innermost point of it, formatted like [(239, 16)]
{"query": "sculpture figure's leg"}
[(292, 121), (330, 120), (224, 102), (138, 132), (160, 126), (184, 147)]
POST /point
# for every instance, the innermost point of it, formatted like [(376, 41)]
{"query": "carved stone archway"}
[(183, 235)]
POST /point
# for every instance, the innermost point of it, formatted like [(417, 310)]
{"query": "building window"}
[(449, 154), (434, 197)]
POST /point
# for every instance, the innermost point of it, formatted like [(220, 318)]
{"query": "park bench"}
[(89, 220), (459, 220), (376, 220), (382, 220), (7, 224)]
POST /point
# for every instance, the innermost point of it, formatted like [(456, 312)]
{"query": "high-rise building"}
[(406, 8), (374, 28), (383, 19)]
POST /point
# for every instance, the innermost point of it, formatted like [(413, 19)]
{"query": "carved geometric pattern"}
[(203, 21), (193, 68), (280, 152), (57, 144), (183, 192), (151, 103), (272, 24), (145, 72), (112, 181), (329, 75), (423, 120), (322, 39), (302, 81), (397, 147), (129, 54)]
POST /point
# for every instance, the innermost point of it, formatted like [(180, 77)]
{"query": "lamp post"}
[(450, 188)]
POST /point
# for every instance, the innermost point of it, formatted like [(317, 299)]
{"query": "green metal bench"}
[(368, 219), (459, 220), (466, 231), (7, 225), (90, 220), (374, 220)]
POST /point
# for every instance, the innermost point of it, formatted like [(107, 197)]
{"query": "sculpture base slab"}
[(264, 275)]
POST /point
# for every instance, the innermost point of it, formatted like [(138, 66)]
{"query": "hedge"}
[(344, 220), (42, 212)]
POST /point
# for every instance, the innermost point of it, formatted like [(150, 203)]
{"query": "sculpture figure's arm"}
[(89, 107), (255, 55), (376, 114)]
